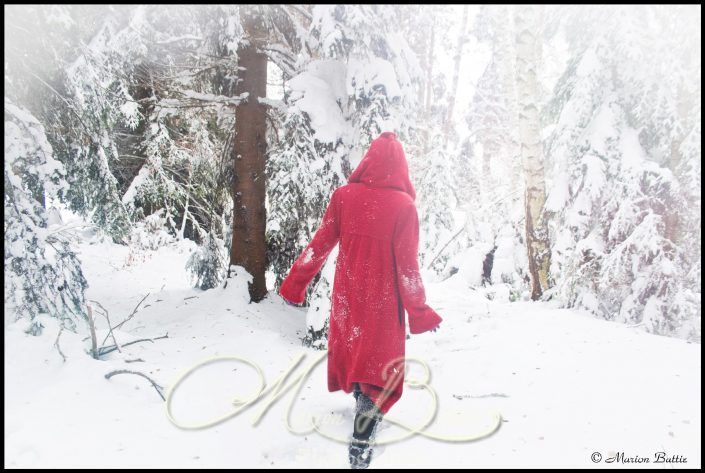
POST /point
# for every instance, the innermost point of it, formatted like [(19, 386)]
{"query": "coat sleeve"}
[(406, 243), (311, 259)]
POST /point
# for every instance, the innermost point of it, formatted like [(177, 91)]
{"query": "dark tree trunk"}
[(248, 244), (487, 265)]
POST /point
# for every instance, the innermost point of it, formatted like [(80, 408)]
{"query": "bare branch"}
[(157, 387), (64, 99), (464, 227), (134, 311), (110, 330), (180, 38), (112, 348), (56, 344), (91, 326)]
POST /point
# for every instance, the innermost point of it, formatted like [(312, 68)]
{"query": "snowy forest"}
[(555, 151)]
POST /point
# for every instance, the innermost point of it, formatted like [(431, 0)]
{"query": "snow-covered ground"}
[(565, 383)]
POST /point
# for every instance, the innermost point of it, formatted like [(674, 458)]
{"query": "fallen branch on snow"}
[(157, 387), (108, 349)]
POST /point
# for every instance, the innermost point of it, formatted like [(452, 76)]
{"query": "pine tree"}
[(42, 273), (207, 264), (614, 197), (435, 199)]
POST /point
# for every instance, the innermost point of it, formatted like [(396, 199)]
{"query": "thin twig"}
[(88, 130), (70, 226), (56, 344), (110, 330), (134, 311), (157, 387), (464, 227), (108, 349)]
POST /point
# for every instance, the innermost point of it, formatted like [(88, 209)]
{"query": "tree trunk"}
[(507, 61), (428, 86), (456, 71), (188, 198), (429, 68), (249, 215), (528, 56)]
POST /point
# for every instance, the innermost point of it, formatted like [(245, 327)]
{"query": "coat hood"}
[(384, 165)]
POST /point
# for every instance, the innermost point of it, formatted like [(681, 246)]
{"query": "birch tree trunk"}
[(507, 60), (249, 215), (527, 23)]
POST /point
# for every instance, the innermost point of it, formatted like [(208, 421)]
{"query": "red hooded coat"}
[(377, 277)]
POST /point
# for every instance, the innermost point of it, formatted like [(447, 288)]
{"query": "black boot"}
[(367, 419)]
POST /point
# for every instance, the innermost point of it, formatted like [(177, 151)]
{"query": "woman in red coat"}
[(377, 277)]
